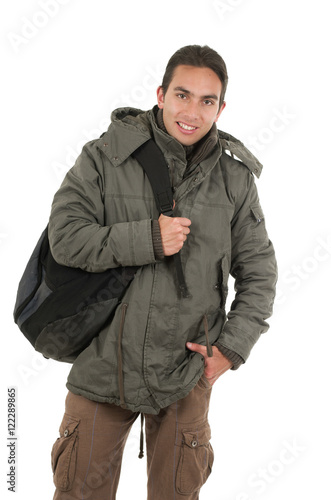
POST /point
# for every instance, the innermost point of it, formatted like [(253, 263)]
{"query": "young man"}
[(162, 352)]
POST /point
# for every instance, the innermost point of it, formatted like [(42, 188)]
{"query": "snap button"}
[(194, 444), (115, 158), (66, 432), (105, 144)]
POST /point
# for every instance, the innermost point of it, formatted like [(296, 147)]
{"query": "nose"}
[(192, 111)]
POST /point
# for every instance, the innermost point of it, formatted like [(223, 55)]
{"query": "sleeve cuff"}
[(157, 241), (232, 356)]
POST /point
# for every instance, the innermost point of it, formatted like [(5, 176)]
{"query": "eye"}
[(181, 96), (208, 102)]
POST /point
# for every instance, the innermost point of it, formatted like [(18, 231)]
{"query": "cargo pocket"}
[(64, 453), (195, 461)]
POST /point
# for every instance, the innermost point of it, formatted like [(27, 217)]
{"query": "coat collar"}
[(131, 127)]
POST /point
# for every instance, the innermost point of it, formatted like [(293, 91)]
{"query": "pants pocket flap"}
[(200, 437), (68, 425)]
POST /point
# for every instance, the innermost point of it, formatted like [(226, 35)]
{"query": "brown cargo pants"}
[(86, 458)]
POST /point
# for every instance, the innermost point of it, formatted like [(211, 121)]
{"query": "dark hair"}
[(200, 57)]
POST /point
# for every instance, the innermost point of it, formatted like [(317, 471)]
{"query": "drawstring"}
[(141, 451), (120, 379), (119, 355), (209, 347)]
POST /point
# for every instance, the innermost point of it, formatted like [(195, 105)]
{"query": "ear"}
[(220, 111), (160, 97)]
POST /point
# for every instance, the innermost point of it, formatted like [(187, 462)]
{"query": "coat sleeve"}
[(78, 235), (254, 268)]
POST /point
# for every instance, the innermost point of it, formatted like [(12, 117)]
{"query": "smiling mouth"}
[(186, 127)]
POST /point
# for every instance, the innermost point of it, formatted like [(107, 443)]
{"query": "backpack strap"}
[(153, 162)]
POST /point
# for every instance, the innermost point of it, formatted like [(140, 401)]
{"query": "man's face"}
[(191, 104)]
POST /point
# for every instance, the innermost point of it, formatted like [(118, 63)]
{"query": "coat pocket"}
[(64, 454), (258, 225), (195, 461), (223, 277)]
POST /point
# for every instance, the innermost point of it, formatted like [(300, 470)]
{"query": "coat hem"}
[(112, 400), (141, 408), (182, 394)]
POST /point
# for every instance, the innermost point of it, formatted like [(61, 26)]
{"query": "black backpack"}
[(61, 309)]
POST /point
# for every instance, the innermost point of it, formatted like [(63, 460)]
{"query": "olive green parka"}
[(102, 218)]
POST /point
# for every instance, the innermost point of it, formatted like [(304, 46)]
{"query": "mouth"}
[(186, 128)]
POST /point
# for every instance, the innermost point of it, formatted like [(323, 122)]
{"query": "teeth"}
[(186, 127)]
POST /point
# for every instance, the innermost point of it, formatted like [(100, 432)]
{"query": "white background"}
[(62, 74)]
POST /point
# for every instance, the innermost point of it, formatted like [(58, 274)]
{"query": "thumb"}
[(196, 348)]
